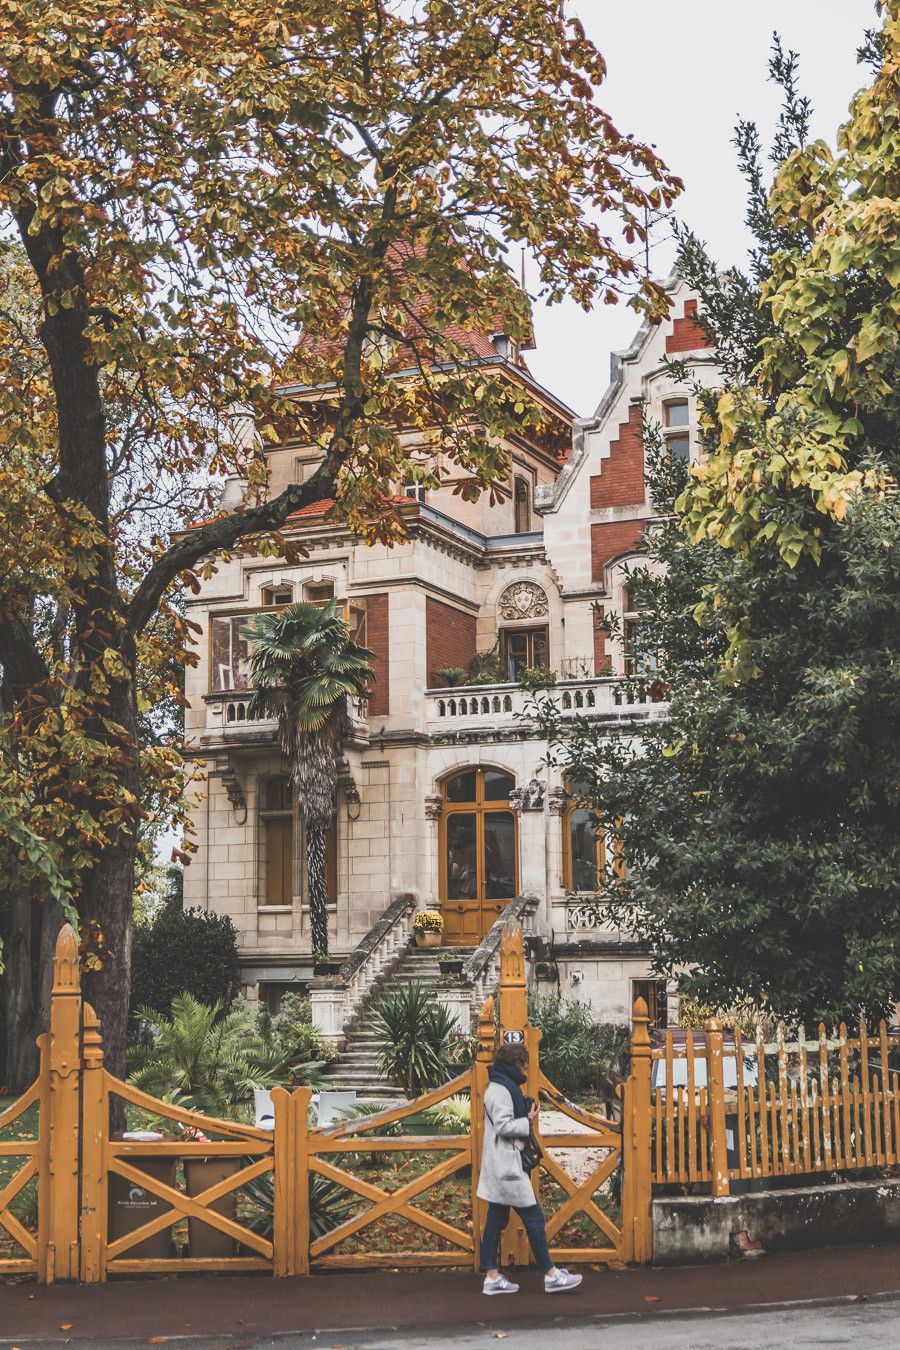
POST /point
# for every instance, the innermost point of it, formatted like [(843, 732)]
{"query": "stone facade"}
[(468, 577)]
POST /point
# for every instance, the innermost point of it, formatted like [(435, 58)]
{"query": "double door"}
[(479, 854)]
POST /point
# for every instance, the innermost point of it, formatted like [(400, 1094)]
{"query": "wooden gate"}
[(362, 1194), (597, 1209)]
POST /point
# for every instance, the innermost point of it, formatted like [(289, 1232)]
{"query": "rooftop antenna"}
[(647, 242)]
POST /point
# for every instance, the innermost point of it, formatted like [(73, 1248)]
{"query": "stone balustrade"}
[(466, 706)]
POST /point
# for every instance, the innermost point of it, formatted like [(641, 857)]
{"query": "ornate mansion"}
[(445, 799)]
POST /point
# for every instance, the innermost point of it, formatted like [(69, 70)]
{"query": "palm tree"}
[(304, 668)]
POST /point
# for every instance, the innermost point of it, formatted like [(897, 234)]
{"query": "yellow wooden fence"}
[(788, 1107), (422, 1212)]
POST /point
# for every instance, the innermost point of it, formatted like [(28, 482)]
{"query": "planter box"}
[(201, 1173), (427, 939), (130, 1207)]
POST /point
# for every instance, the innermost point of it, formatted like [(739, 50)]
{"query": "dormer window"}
[(274, 597), (502, 346), (522, 504)]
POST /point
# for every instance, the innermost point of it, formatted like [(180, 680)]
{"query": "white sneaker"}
[(561, 1282), (500, 1286)]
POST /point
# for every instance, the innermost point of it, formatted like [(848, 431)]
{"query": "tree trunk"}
[(21, 1051), (107, 898), (316, 882), (52, 918)]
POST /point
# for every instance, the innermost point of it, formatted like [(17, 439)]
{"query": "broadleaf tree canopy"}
[(213, 199)]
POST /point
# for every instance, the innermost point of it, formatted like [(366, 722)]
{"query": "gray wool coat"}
[(502, 1178)]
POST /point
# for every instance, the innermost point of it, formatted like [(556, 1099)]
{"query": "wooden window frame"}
[(610, 862), (529, 632), (657, 1004), (267, 816)]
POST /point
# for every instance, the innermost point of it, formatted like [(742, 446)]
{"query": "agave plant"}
[(304, 668), (416, 1030), (329, 1204), (451, 1116)]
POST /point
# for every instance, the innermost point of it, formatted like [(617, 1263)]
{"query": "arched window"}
[(276, 817), (588, 864), (522, 504), (479, 853)]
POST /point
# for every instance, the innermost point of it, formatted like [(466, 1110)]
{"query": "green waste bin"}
[(131, 1206)]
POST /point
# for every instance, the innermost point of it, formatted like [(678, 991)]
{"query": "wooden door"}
[(479, 854)]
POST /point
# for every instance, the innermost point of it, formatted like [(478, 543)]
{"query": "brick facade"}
[(599, 648), (687, 334), (622, 481), (378, 640), (449, 638), (612, 539)]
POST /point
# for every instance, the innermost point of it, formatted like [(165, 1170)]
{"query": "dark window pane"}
[(583, 851), (539, 647), (462, 787), (676, 414), (679, 447), (230, 654), (278, 794), (497, 785), (461, 859), (499, 855)]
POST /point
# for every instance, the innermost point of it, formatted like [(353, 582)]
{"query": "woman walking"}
[(504, 1182)]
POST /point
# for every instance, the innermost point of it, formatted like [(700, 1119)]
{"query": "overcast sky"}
[(680, 74)]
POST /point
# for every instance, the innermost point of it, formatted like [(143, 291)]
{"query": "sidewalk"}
[(247, 1307)]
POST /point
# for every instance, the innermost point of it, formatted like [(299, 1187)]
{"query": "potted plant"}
[(323, 964), (428, 928), (451, 675)]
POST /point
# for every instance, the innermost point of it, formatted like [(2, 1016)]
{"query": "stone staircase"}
[(356, 1067)]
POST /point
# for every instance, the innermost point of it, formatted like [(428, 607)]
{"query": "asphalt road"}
[(864, 1323)]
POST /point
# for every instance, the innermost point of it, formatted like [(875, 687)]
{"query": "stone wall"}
[(699, 1228)]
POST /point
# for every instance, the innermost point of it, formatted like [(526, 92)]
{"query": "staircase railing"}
[(335, 1006), (482, 970)]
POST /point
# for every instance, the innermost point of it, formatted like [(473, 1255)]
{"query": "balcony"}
[(485, 707), (230, 722)]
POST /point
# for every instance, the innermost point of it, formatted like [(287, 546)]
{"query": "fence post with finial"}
[(637, 1187), (94, 1136), (479, 1080), (58, 1228), (718, 1144)]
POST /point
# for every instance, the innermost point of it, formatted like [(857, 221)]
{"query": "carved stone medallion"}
[(523, 600)]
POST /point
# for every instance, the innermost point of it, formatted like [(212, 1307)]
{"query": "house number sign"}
[(513, 1037)]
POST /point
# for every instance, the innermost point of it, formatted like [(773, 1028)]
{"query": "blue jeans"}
[(496, 1221)]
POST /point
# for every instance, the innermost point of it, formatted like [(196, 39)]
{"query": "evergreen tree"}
[(760, 821)]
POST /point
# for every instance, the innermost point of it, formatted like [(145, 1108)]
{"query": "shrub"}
[(577, 1054), (183, 951), (488, 667), (214, 1062), (416, 1030)]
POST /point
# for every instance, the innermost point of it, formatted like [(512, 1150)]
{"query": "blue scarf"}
[(509, 1077)]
